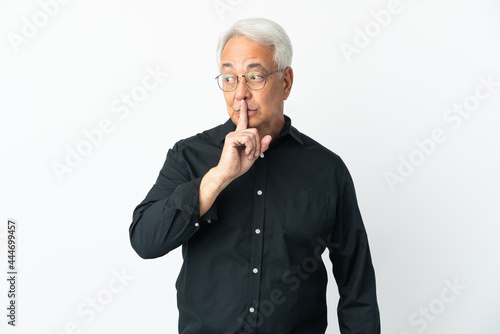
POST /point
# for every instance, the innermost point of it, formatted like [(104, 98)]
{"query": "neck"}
[(272, 130)]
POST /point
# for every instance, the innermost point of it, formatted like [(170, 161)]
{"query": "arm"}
[(169, 215), (171, 212), (352, 267)]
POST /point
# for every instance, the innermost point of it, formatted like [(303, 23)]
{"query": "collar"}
[(287, 129)]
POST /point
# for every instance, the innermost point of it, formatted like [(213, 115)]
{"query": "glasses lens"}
[(256, 80), (227, 82)]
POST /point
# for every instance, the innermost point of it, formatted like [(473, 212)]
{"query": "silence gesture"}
[(241, 148)]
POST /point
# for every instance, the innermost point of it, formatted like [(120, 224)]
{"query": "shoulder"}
[(315, 151), (314, 167), (208, 138), (196, 154)]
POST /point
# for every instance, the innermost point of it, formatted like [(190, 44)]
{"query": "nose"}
[(242, 91)]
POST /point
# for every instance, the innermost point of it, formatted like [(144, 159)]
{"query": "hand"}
[(241, 148)]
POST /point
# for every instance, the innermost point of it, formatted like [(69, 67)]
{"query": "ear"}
[(287, 82)]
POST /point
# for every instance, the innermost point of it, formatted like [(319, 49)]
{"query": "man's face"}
[(265, 106)]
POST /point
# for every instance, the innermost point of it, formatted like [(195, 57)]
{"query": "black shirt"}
[(252, 263)]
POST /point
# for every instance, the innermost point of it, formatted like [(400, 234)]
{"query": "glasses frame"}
[(246, 81)]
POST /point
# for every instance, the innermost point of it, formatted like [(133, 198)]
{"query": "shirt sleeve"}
[(170, 214), (358, 311)]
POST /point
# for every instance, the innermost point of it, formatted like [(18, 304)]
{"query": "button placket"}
[(257, 237)]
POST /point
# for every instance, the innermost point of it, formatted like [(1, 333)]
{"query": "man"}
[(254, 203)]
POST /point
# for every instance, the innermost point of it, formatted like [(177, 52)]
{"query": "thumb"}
[(264, 143)]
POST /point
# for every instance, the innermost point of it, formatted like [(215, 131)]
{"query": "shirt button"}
[(259, 192), (209, 221), (251, 309), (262, 155), (196, 224), (257, 231), (255, 270)]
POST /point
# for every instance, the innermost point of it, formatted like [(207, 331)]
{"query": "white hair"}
[(264, 32)]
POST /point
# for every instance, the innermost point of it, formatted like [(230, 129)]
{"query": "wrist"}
[(211, 186), (216, 179)]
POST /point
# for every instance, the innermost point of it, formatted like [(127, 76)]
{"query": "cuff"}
[(186, 198)]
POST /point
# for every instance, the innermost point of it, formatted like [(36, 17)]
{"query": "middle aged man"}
[(254, 203)]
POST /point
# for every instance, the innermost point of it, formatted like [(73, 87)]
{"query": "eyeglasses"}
[(254, 80)]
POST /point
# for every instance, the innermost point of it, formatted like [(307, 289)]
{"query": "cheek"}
[(262, 100), (268, 102), (229, 106), (272, 98), (228, 98)]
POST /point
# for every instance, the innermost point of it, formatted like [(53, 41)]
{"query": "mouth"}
[(249, 111)]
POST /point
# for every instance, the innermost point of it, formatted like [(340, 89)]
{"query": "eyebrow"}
[(255, 65), (249, 66)]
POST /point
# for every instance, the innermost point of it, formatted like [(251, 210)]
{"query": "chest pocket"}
[(309, 214)]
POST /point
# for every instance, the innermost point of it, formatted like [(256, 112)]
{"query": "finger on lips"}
[(243, 120), (251, 143)]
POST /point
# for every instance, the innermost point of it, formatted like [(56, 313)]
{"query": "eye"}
[(229, 78), (256, 77)]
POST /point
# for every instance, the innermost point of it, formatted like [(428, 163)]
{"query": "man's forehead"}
[(244, 52)]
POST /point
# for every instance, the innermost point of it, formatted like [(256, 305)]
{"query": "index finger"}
[(243, 120)]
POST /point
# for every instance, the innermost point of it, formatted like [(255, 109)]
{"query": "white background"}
[(440, 225)]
